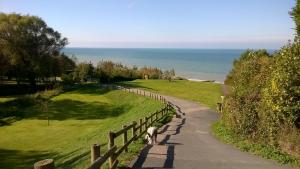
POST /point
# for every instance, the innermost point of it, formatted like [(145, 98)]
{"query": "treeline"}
[(30, 52), (264, 103), (109, 72)]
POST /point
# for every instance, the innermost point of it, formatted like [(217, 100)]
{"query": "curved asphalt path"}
[(187, 143)]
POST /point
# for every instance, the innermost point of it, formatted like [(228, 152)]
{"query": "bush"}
[(247, 79), (282, 94), (264, 103), (68, 79)]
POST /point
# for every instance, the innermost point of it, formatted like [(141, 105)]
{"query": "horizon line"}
[(83, 47)]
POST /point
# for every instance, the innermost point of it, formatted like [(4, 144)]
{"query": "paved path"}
[(187, 143)]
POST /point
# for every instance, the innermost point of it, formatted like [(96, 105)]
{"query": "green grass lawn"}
[(205, 93), (77, 119), (6, 99)]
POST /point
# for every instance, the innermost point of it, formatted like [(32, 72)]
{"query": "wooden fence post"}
[(141, 127), (134, 129), (146, 125), (44, 164), (156, 115), (95, 152), (111, 139), (144, 93), (125, 138)]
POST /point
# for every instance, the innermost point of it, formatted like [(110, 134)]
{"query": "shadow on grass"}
[(70, 109), (14, 89), (28, 107), (91, 89), (76, 110), (15, 159), (61, 110), (14, 110)]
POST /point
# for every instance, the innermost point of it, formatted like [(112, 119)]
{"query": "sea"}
[(193, 64)]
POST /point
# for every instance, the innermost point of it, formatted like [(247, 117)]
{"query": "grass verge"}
[(265, 151), (205, 93)]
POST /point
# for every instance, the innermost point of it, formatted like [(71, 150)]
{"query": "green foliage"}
[(151, 73), (4, 64), (264, 103), (295, 13), (68, 79), (31, 48), (247, 79), (282, 94), (108, 71), (83, 72)]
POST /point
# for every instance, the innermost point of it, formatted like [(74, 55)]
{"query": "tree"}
[(169, 74), (295, 13), (83, 71), (104, 71), (172, 71), (4, 64), (30, 44)]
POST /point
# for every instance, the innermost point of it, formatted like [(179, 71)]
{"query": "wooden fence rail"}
[(137, 131)]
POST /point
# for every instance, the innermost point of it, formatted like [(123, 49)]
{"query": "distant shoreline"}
[(202, 64), (202, 80)]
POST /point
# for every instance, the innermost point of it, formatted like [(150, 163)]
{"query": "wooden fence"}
[(137, 129)]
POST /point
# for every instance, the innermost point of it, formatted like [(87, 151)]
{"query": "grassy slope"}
[(78, 119), (203, 92)]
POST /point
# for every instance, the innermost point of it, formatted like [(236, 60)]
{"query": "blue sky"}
[(164, 23)]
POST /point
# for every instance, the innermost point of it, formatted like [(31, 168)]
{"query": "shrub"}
[(247, 79), (282, 94), (264, 103), (68, 79)]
